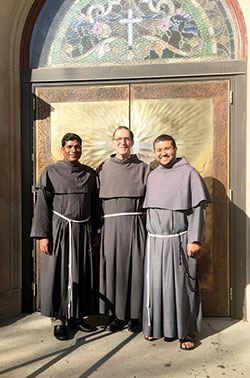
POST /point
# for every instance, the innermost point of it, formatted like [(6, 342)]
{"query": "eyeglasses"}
[(119, 140)]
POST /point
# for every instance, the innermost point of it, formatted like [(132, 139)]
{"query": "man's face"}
[(122, 143), (72, 151), (165, 153)]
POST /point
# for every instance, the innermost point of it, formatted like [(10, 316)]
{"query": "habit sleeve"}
[(41, 227), (196, 223)]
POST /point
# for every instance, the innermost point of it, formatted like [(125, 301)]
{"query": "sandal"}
[(149, 338), (187, 339)]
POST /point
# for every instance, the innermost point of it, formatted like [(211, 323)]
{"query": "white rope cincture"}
[(148, 265), (70, 221), (121, 214)]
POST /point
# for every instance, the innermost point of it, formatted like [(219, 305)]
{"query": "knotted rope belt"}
[(70, 283), (148, 265), (121, 214)]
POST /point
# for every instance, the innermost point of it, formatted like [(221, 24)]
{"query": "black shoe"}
[(134, 326), (84, 327), (116, 325), (170, 339), (60, 332)]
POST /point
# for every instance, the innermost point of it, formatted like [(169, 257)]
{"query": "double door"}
[(196, 114)]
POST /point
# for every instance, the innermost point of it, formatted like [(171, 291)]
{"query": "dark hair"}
[(163, 137), (126, 128), (71, 136)]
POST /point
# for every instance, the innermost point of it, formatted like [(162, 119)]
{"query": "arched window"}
[(116, 32)]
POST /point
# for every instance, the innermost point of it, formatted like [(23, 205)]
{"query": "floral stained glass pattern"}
[(108, 32)]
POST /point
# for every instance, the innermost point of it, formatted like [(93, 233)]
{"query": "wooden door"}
[(194, 113)]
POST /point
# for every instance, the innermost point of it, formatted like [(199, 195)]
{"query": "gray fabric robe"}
[(122, 189), (70, 190), (172, 302)]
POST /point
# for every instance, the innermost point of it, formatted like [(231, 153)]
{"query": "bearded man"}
[(176, 200)]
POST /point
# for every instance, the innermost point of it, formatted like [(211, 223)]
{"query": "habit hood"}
[(123, 178), (177, 188), (67, 178)]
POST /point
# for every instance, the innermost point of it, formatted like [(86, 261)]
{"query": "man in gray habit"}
[(122, 188), (176, 200), (64, 217)]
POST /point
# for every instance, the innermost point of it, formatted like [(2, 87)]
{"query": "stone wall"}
[(244, 4), (13, 14)]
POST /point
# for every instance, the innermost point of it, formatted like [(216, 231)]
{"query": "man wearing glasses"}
[(122, 188)]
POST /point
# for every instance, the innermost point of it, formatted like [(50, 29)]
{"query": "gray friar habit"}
[(66, 207), (176, 200), (122, 190)]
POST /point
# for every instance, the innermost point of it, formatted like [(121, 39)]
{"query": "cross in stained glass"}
[(130, 21)]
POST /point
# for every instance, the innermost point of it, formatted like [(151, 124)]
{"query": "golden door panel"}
[(196, 114), (93, 112)]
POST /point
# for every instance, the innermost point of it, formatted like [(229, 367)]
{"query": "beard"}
[(169, 164)]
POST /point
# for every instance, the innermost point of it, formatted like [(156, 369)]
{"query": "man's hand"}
[(44, 245), (193, 248)]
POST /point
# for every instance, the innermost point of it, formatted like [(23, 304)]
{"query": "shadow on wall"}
[(223, 256), (43, 109)]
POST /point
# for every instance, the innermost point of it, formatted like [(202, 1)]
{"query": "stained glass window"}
[(117, 32)]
